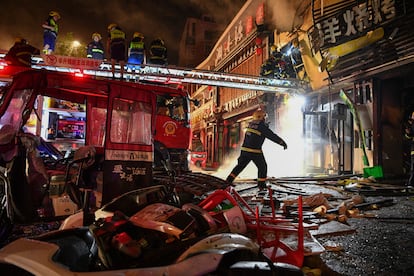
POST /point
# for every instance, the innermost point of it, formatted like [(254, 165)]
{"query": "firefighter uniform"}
[(136, 51), (21, 53), (116, 43), (50, 32), (116, 47), (158, 52), (95, 48), (251, 149)]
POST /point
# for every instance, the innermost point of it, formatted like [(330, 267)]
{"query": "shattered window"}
[(14, 113)]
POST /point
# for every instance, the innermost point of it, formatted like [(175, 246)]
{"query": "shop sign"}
[(238, 31), (352, 22)]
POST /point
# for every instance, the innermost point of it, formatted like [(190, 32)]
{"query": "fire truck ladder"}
[(178, 75), (170, 75)]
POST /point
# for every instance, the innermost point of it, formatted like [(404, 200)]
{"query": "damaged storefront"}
[(356, 57), (366, 49)]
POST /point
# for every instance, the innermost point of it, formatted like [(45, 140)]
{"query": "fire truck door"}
[(128, 142)]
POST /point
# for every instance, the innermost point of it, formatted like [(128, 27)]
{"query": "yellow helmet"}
[(98, 35), (138, 34), (54, 13), (111, 26), (259, 115)]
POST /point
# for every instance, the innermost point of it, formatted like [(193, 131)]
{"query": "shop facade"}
[(361, 49)]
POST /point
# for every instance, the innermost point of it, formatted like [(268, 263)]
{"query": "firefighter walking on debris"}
[(50, 32), (116, 47), (251, 149), (95, 48)]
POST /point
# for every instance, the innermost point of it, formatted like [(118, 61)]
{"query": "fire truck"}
[(137, 131)]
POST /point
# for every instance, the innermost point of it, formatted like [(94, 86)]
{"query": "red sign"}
[(73, 62), (260, 14), (249, 24)]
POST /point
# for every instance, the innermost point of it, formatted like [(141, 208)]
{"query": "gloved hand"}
[(284, 145)]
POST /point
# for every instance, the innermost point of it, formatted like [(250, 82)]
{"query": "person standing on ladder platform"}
[(158, 52), (251, 149), (20, 54), (136, 51), (50, 32), (95, 48), (116, 47)]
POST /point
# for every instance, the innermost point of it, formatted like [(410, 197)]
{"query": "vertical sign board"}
[(128, 142)]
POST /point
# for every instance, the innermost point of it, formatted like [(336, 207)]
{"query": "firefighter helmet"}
[(111, 26), (138, 34), (20, 40), (158, 41), (54, 13), (98, 35), (259, 115)]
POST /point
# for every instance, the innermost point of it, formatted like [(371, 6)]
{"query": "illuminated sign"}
[(352, 22)]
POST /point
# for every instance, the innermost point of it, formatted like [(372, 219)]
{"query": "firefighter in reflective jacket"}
[(95, 48), (158, 52), (50, 32), (116, 47), (20, 54), (251, 149), (136, 50)]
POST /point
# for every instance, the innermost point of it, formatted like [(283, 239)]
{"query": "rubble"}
[(364, 225)]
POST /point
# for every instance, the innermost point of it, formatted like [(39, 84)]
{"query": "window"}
[(131, 122)]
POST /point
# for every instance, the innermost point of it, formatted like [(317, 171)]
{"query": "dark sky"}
[(153, 18)]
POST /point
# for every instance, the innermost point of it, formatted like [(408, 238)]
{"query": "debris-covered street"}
[(365, 227)]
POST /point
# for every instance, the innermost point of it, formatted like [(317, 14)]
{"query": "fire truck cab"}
[(119, 135)]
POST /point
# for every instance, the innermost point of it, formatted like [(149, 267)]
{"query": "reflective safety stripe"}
[(117, 34), (412, 152), (97, 51), (261, 179), (254, 131), (251, 150)]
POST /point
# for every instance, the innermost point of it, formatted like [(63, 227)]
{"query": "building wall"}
[(366, 70)]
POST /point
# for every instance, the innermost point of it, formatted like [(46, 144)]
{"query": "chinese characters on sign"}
[(352, 22), (66, 61), (238, 32), (127, 173)]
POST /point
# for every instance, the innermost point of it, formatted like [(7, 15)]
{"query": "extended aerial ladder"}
[(166, 74)]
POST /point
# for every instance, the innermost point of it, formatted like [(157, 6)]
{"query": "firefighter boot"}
[(261, 183)]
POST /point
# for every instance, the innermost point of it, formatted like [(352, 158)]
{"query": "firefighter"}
[(116, 47), (20, 54), (50, 32), (409, 134), (158, 52), (95, 48), (136, 50), (251, 149)]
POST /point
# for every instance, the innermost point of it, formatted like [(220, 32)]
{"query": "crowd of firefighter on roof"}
[(132, 54)]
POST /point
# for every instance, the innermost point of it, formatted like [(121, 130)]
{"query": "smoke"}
[(288, 14)]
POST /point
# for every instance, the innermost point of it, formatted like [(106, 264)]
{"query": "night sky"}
[(153, 18)]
